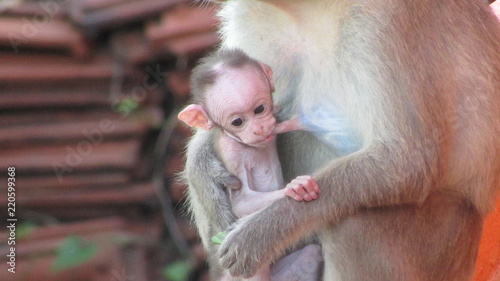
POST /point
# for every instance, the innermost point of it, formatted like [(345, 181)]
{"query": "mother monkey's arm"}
[(383, 174)]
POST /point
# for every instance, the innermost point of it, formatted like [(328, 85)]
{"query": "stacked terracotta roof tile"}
[(85, 87)]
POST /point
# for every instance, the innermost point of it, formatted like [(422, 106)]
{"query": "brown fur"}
[(420, 81)]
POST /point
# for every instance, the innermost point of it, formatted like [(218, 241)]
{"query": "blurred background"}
[(89, 93)]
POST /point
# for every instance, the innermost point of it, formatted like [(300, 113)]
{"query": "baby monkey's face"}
[(240, 101)]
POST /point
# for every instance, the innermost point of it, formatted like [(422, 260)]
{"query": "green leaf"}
[(178, 271), (72, 252), (127, 106), (219, 238), (25, 229)]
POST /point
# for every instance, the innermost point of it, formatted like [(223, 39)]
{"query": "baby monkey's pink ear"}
[(269, 74), (195, 116)]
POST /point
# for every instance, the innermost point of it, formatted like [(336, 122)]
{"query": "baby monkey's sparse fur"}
[(210, 67)]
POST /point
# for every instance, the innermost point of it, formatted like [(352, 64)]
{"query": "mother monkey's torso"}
[(407, 81)]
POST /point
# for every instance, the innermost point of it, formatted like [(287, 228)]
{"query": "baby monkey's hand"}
[(302, 188)]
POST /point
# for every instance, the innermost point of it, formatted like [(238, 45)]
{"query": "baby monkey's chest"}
[(266, 176), (258, 170)]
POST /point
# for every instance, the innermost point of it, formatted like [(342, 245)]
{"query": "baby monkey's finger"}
[(308, 186), (291, 193), (310, 181), (300, 189)]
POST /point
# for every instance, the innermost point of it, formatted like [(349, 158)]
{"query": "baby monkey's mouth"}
[(264, 141), (270, 138)]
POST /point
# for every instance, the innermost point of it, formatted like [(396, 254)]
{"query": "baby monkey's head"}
[(234, 92)]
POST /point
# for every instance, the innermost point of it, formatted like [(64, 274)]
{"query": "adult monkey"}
[(419, 83)]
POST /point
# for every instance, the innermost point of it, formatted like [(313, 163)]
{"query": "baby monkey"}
[(232, 93)]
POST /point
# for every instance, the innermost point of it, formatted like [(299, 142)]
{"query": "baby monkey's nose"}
[(259, 131)]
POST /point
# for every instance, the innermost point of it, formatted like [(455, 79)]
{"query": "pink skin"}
[(245, 95), (237, 94), (302, 188), (288, 126)]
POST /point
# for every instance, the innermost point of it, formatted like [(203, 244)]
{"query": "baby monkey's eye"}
[(259, 109), (237, 122)]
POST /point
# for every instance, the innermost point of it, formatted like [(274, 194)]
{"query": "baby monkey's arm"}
[(288, 126), (245, 202)]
